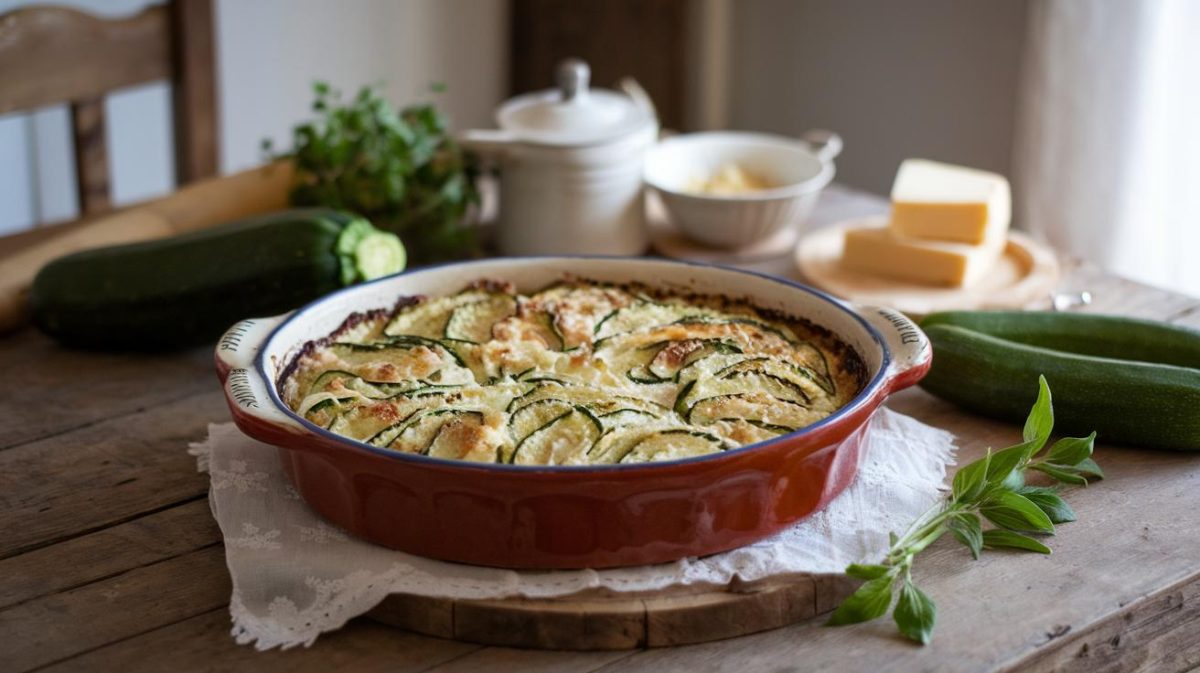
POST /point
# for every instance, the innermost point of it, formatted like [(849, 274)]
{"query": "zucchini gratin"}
[(578, 373)]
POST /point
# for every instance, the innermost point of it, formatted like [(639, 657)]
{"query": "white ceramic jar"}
[(570, 167)]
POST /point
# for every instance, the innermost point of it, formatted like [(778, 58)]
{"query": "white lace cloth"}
[(296, 576)]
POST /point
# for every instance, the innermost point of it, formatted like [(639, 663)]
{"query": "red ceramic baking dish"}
[(567, 516)]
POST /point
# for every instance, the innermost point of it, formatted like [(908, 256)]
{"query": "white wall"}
[(268, 54), (932, 78)]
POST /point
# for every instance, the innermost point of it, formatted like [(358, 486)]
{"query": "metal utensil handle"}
[(1065, 301)]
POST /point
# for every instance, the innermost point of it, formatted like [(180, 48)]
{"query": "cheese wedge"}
[(877, 250), (949, 203)]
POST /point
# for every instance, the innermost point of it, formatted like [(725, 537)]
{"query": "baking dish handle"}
[(910, 348), (247, 392)]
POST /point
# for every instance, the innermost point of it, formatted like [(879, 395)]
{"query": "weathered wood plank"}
[(1120, 296), (52, 628), (508, 660), (103, 474), (1187, 317), (63, 389), (1157, 634), (111, 551), (204, 643), (53, 54)]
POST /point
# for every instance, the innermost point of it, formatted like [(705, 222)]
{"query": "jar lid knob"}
[(572, 75)]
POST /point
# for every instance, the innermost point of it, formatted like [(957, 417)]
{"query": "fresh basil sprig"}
[(400, 169), (992, 488)]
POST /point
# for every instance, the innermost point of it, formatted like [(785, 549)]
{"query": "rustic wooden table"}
[(110, 559)]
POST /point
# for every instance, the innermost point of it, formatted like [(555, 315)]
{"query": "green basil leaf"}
[(969, 481), (1041, 417), (1089, 467), (915, 614), (1006, 461), (1011, 510), (869, 602), (1071, 450), (1041, 420), (399, 169), (966, 529), (866, 572), (997, 538), (1056, 509), (1065, 474), (1027, 490)]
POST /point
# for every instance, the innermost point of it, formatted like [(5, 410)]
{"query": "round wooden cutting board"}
[(1026, 273), (607, 621)]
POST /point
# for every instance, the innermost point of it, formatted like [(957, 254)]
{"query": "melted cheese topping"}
[(578, 373)]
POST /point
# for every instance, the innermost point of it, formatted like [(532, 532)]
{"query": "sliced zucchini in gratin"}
[(562, 440), (672, 444), (579, 373), (431, 317), (472, 322)]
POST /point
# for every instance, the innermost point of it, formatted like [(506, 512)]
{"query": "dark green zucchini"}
[(1103, 336), (185, 290), (1145, 404)]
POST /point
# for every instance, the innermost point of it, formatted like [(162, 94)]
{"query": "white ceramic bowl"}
[(800, 168)]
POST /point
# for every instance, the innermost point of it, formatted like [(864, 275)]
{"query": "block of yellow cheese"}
[(879, 251), (949, 203)]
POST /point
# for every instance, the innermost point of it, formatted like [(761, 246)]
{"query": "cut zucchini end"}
[(376, 255), (353, 231)]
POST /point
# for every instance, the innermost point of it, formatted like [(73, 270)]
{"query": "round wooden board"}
[(596, 621), (1027, 273)]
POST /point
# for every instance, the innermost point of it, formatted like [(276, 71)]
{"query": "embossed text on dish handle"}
[(239, 346), (909, 347)]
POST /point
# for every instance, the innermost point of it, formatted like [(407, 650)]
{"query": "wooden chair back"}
[(51, 55)]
